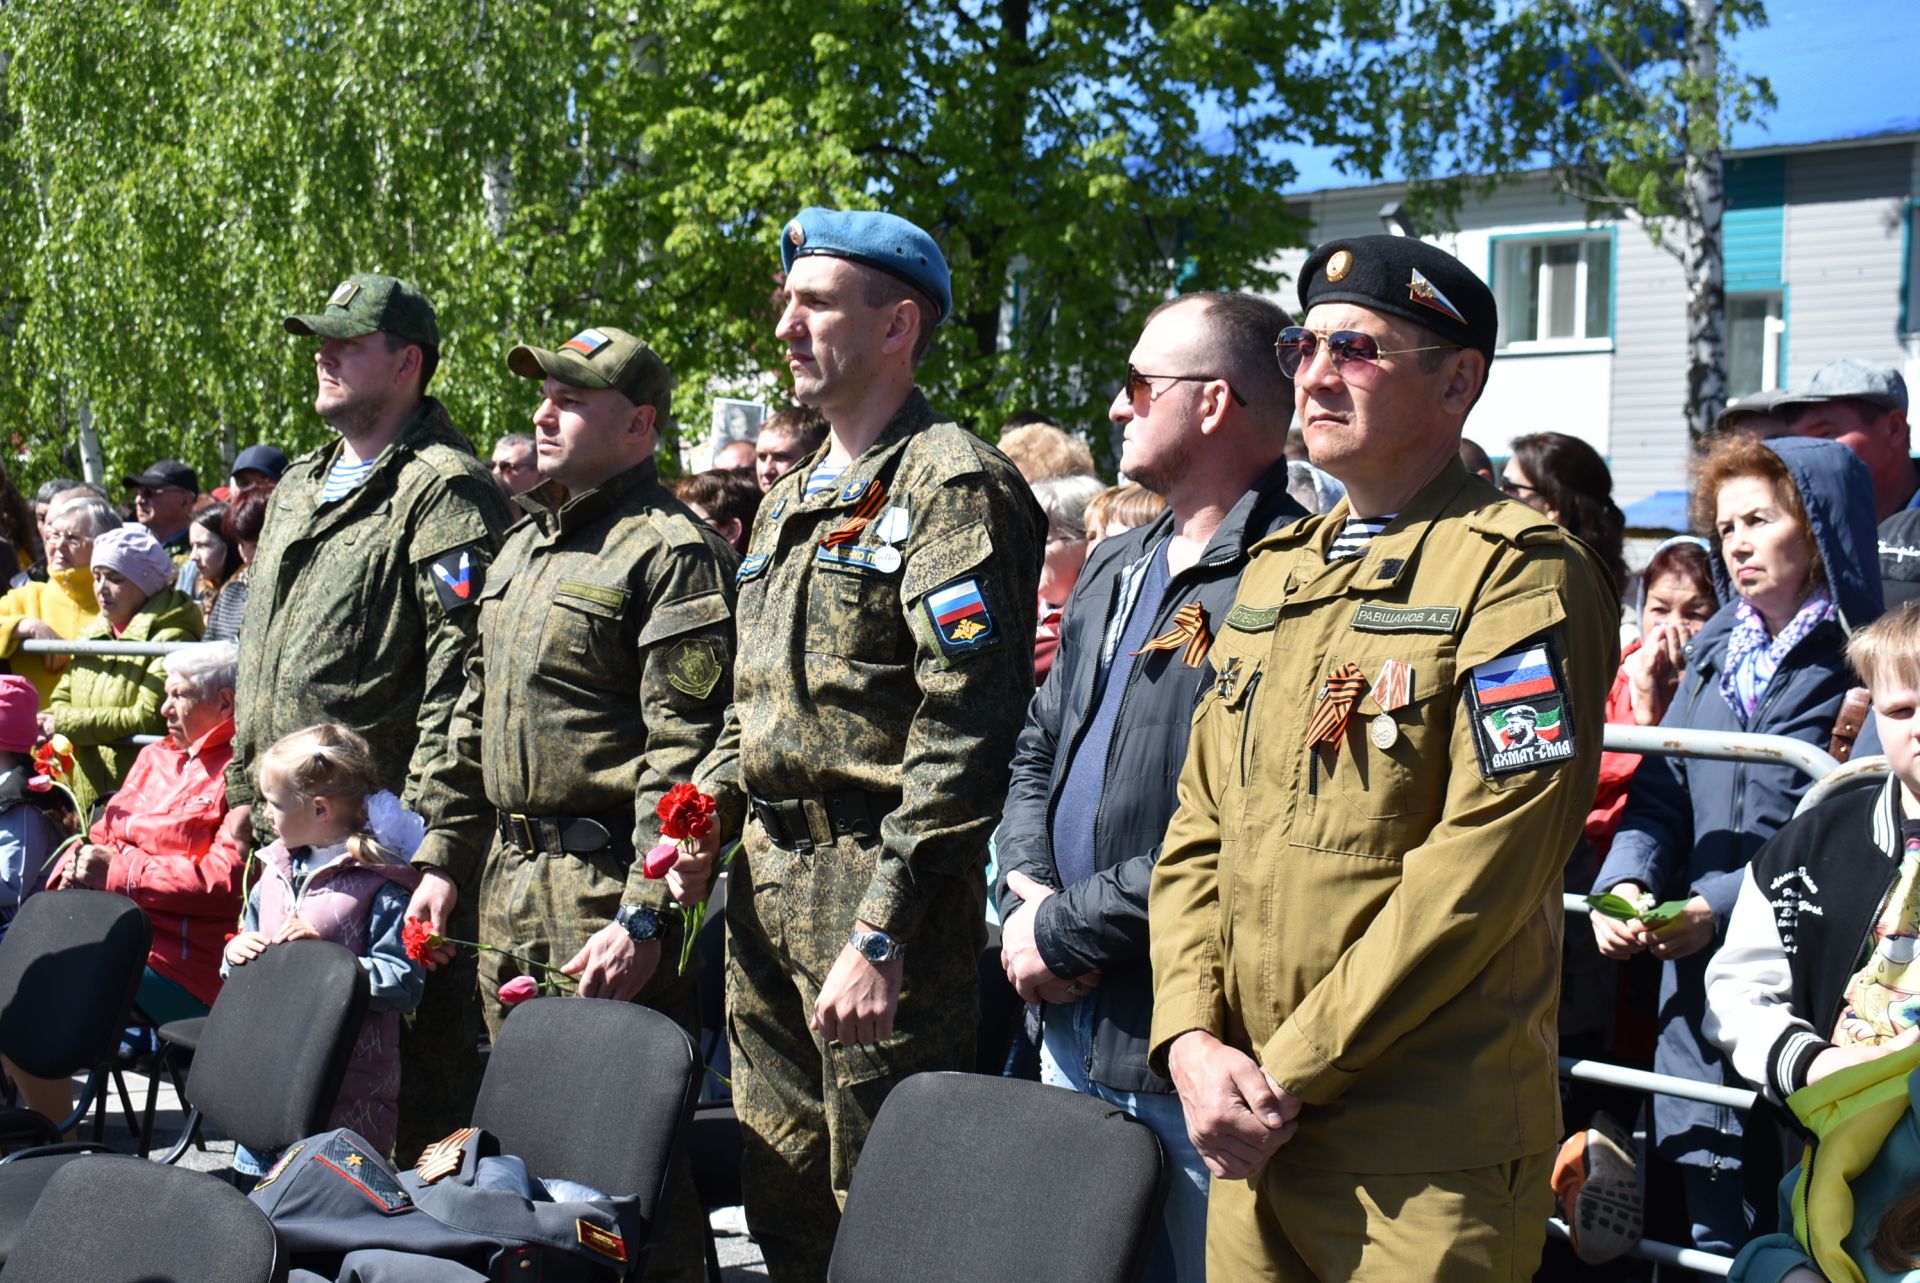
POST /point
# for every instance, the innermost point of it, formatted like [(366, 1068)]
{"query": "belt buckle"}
[(523, 829)]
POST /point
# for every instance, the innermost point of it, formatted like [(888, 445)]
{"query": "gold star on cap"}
[(1339, 265), (796, 233)]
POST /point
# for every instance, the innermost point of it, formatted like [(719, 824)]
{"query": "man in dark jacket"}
[(1204, 413)]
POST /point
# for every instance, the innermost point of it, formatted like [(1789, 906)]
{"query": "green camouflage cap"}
[(363, 305), (600, 358)]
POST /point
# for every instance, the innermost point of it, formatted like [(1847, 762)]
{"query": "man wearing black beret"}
[(885, 660), (1356, 913)]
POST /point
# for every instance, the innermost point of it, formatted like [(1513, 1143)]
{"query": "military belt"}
[(799, 824), (568, 834)]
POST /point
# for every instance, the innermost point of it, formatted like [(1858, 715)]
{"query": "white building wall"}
[(1647, 405), (1844, 234)]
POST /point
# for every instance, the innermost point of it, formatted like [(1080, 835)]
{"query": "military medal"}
[(1337, 698), (892, 529), (1383, 731), (1395, 686)]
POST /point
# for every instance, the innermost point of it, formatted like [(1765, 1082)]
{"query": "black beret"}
[(1408, 278)]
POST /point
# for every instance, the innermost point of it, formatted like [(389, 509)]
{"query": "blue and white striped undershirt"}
[(344, 478), (1355, 535), (823, 478)]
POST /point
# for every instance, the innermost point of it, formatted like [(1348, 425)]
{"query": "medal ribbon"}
[(1189, 630), (1342, 692), (849, 530)]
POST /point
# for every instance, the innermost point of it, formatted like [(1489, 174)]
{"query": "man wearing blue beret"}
[(1356, 914), (885, 660)]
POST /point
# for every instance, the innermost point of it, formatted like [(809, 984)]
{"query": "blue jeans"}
[(1180, 1240)]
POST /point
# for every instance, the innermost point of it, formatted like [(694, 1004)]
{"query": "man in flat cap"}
[(360, 606), (1356, 913), (599, 679), (886, 618)]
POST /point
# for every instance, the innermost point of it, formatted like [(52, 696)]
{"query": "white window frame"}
[(1512, 251)]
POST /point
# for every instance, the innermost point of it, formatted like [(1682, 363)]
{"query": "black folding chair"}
[(269, 1066), (598, 1092), (119, 1220), (959, 1182), (69, 967)]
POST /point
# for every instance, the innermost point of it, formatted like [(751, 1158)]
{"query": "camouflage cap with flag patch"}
[(600, 357), (368, 304)]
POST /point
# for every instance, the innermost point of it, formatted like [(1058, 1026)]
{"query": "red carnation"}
[(518, 990), (419, 937), (685, 812)]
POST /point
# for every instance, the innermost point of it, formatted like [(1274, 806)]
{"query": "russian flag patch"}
[(586, 342), (456, 579), (960, 618), (1520, 712)]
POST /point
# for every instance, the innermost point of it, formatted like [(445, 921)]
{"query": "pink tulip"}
[(519, 989), (660, 859)]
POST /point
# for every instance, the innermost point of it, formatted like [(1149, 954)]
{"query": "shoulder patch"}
[(752, 567), (693, 667), (1520, 712), (961, 622), (363, 1169), (457, 577)]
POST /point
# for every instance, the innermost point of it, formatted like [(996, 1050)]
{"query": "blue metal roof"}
[(1838, 71)]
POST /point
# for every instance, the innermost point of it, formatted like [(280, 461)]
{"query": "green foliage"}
[(1610, 94), (177, 176)]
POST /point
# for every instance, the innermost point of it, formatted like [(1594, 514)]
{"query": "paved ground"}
[(739, 1256)]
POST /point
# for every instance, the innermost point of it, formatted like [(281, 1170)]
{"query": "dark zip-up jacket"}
[(1691, 827), (1802, 926), (1102, 922)]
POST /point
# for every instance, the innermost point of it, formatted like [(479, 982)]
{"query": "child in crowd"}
[(1819, 974), (27, 836), (338, 872)]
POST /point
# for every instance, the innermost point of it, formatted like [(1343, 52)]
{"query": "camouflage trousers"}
[(440, 1065), (546, 907), (806, 1105)]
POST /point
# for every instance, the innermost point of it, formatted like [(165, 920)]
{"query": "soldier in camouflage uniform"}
[(599, 679), (359, 611), (886, 619)]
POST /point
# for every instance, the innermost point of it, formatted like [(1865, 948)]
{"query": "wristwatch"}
[(875, 946), (642, 923)]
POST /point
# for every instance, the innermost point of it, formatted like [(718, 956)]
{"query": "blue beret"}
[(1408, 278), (881, 240)]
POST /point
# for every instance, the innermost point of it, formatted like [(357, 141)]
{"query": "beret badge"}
[(796, 233), (1421, 290), (1339, 265)]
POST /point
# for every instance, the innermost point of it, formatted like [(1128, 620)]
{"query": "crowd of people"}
[(1268, 766)]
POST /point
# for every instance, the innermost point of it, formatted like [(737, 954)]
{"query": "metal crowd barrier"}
[(146, 649), (1726, 746)]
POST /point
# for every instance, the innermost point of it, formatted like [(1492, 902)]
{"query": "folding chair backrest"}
[(120, 1220), (960, 1180), (588, 1090), (275, 1047), (69, 967)]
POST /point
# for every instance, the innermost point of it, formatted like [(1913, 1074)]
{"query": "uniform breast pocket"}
[(1226, 715), (582, 637), (855, 616), (1397, 758)]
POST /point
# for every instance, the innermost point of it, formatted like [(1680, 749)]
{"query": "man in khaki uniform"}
[(599, 679), (1356, 914)]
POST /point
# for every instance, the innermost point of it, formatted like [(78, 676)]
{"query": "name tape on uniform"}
[(1520, 713), (1405, 619)]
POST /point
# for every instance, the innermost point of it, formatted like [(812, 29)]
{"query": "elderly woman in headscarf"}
[(103, 699), (61, 607)]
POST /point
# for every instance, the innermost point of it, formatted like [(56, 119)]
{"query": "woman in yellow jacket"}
[(63, 607)]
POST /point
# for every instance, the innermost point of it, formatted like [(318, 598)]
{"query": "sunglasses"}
[(1139, 385), (1297, 346)]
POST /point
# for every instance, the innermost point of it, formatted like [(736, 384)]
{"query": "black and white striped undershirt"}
[(1352, 540)]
